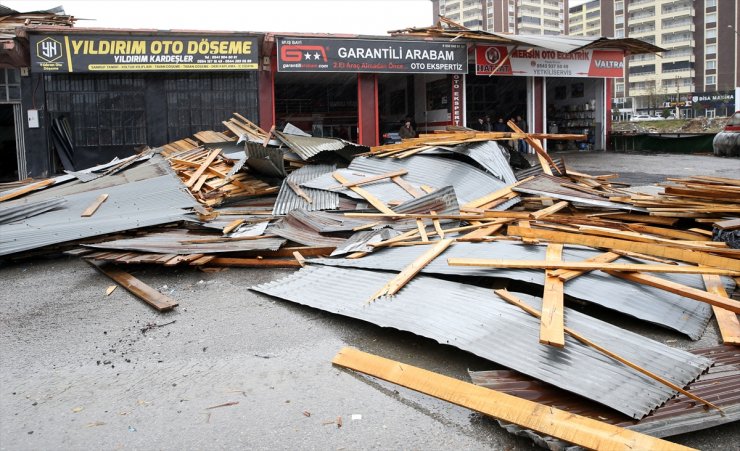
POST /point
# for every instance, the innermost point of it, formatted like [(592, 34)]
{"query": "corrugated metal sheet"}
[(178, 242), (548, 185), (265, 160), (288, 200), (640, 301), (475, 320), (19, 212), (133, 205), (309, 146), (537, 169), (490, 155), (721, 385), (360, 241), (327, 222), (568, 44), (294, 230), (470, 183)]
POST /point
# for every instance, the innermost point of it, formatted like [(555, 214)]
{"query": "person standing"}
[(487, 125), (522, 124), (500, 125), (407, 131)]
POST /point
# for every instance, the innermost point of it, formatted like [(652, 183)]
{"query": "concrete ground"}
[(230, 368)]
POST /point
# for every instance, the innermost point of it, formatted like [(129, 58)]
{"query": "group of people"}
[(484, 124)]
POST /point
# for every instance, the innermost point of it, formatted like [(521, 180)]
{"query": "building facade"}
[(698, 74), (539, 17)]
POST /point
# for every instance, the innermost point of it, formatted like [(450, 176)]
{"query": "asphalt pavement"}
[(230, 368)]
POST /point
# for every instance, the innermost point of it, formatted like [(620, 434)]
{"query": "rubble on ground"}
[(413, 236)]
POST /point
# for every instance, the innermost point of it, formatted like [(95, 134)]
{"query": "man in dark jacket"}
[(407, 131)]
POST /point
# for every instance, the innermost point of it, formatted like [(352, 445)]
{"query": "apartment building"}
[(700, 64), (540, 17)]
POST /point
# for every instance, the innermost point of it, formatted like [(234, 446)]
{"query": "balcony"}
[(685, 39), (682, 56), (677, 11), (641, 31), (641, 18), (683, 26)]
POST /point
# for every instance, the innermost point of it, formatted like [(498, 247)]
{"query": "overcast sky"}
[(328, 16)]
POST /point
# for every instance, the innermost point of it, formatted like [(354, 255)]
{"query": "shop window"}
[(10, 85)]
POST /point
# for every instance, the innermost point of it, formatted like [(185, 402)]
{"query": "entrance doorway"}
[(8, 150), (320, 104), (395, 103), (576, 106), (498, 97)]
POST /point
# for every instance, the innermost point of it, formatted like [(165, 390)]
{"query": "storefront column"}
[(266, 83), (367, 109), (38, 153), (609, 85), (539, 105)]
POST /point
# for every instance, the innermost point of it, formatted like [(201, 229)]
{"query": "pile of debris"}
[(391, 235)]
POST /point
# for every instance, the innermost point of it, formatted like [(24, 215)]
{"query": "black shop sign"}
[(369, 55), (126, 53)]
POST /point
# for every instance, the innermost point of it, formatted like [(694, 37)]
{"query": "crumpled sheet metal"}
[(470, 183), (309, 146), (19, 212), (640, 301), (149, 202), (360, 241), (289, 227), (491, 157), (288, 200), (178, 242), (265, 160), (680, 415), (474, 319)]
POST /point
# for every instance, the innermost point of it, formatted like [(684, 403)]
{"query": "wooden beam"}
[(551, 321), (408, 273), (409, 188), (679, 289), (568, 274), (136, 287), (729, 326), (299, 191), (588, 266), (374, 201), (370, 179), (549, 210), (494, 195), (89, 211), (231, 226), (576, 429), (422, 230), (511, 299), (202, 168), (691, 256), (255, 262), (26, 189)]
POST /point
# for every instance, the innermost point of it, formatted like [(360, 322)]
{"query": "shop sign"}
[(366, 55), (124, 53), (537, 62), (714, 97), (457, 100)]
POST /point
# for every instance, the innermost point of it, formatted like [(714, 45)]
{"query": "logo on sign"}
[(49, 49), (299, 53), (492, 55)]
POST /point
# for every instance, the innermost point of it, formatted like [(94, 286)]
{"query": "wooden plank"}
[(136, 287), (409, 188), (299, 258), (201, 169), (299, 191), (230, 227), (633, 217), (494, 195), (89, 211), (422, 230), (691, 256), (551, 321), (370, 179), (511, 299), (254, 262), (576, 429), (549, 210), (26, 189), (729, 326), (542, 156), (437, 226), (679, 289), (408, 273), (568, 274), (374, 201), (589, 266), (670, 233)]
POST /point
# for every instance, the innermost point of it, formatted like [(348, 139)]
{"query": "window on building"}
[(710, 18), (711, 79), (710, 3), (711, 33), (619, 33), (711, 49), (10, 85), (619, 20), (711, 64)]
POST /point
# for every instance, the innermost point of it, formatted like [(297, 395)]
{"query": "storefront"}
[(362, 89), (98, 95), (555, 92)]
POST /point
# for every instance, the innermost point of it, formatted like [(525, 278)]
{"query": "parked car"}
[(391, 138), (727, 142), (643, 117)]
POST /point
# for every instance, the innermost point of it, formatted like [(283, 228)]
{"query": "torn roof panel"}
[(640, 301), (491, 157), (469, 182), (288, 200), (309, 146), (144, 203), (181, 242), (475, 320), (291, 228), (265, 160)]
